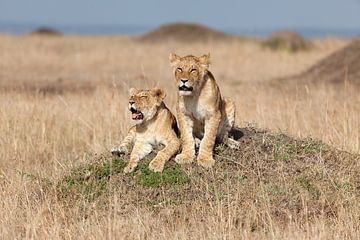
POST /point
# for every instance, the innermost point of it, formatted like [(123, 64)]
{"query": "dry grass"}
[(63, 100)]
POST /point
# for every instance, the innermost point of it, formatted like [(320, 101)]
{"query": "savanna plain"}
[(63, 105)]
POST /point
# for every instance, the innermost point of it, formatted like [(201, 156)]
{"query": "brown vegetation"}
[(56, 181)]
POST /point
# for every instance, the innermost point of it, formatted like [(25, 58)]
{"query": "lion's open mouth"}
[(185, 88), (136, 115)]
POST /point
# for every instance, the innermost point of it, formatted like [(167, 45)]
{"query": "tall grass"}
[(44, 134)]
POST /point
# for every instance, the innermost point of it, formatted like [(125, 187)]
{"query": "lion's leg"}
[(229, 107), (187, 155), (125, 144), (227, 118), (205, 157), (140, 150), (172, 146), (227, 123)]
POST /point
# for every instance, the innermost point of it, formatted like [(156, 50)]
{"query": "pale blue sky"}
[(224, 14)]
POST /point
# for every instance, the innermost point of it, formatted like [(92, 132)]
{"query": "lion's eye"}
[(143, 97), (193, 70), (179, 69)]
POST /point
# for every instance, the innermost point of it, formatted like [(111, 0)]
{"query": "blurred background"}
[(291, 67), (320, 18)]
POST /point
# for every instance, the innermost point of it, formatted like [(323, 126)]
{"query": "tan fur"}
[(202, 112), (158, 126)]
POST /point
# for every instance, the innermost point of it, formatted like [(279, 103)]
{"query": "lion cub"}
[(201, 111), (154, 125)]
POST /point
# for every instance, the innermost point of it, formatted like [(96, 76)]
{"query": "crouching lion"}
[(154, 125)]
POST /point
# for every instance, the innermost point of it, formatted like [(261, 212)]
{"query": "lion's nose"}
[(131, 102), (184, 80)]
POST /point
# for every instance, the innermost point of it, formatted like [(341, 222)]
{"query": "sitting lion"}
[(201, 111), (154, 125)]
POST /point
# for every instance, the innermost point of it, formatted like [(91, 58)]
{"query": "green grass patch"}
[(172, 175), (91, 181)]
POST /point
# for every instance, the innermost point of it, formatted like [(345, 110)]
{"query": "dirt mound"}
[(46, 31), (294, 180), (184, 32), (287, 40), (342, 65)]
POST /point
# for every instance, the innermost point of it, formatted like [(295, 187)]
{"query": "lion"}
[(201, 111), (154, 125)]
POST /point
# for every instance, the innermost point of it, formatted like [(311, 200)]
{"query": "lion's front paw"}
[(119, 150), (156, 165), (231, 143), (130, 167), (183, 158), (205, 160), (197, 142)]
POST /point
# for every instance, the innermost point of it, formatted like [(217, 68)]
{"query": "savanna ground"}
[(63, 106)]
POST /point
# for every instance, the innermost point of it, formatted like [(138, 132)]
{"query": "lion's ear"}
[(132, 91), (174, 59), (159, 93), (205, 60)]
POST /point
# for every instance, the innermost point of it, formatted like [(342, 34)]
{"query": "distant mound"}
[(287, 40), (184, 32), (46, 31), (341, 65), (292, 179)]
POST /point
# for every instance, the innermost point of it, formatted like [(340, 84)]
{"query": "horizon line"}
[(116, 28)]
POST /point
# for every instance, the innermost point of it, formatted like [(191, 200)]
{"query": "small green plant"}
[(345, 186), (306, 183), (283, 151)]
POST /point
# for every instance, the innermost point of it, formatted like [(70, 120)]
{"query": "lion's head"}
[(189, 72), (144, 104)]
